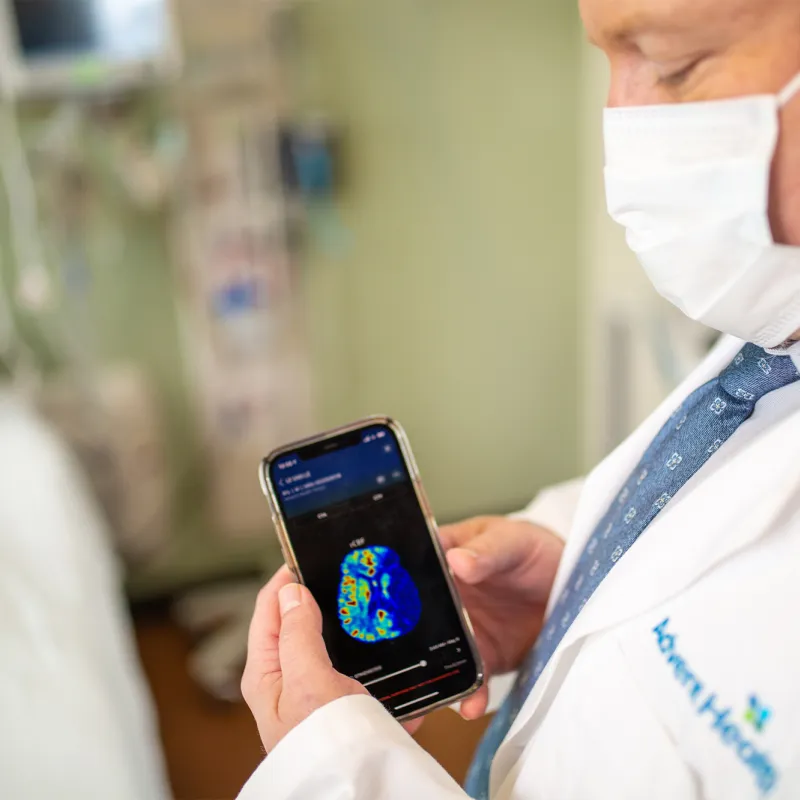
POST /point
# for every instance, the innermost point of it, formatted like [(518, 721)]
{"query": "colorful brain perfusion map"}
[(378, 600)]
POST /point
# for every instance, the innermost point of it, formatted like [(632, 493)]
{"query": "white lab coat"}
[(647, 695)]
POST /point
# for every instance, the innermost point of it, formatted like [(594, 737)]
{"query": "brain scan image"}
[(378, 600)]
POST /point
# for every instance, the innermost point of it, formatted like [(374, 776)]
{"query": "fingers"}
[(413, 726), (262, 640), (457, 535), (302, 651), (496, 548), (475, 705), (463, 562)]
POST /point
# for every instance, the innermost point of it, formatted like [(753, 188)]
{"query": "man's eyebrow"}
[(633, 27), (620, 32)]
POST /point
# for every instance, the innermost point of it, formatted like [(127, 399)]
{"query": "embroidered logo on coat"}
[(757, 713), (708, 705)]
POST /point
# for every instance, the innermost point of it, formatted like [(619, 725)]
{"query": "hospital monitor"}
[(65, 46)]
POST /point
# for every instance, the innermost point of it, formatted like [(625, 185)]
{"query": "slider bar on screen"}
[(399, 672), (418, 700)]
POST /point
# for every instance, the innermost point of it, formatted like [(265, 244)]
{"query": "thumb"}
[(301, 649)]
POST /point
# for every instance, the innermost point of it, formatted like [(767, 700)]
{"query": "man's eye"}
[(674, 79)]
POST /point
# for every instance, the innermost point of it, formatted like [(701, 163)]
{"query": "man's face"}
[(682, 51)]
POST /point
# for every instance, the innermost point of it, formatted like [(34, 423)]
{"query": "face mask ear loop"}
[(789, 91)]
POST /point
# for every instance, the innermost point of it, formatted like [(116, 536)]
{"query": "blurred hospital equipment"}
[(59, 46), (119, 440), (221, 616)]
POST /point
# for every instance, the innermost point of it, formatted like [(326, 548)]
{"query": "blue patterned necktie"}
[(700, 426)]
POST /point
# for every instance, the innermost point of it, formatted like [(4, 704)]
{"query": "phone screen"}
[(363, 547)]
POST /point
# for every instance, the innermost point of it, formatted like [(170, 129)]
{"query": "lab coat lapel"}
[(604, 483), (700, 530), (731, 509)]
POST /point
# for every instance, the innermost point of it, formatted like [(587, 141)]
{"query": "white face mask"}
[(690, 184)]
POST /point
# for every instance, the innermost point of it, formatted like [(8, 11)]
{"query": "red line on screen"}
[(420, 685)]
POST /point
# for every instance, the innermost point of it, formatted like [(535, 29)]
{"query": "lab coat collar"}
[(701, 529)]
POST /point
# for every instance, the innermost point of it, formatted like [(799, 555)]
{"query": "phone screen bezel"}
[(279, 521)]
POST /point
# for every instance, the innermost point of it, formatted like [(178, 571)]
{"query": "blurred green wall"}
[(454, 305)]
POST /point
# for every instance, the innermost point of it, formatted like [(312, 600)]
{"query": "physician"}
[(668, 665)]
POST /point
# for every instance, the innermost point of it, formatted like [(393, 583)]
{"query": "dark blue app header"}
[(306, 485)]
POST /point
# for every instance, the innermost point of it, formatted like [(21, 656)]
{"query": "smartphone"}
[(356, 528)]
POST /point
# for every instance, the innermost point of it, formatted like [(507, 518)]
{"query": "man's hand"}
[(288, 674), (504, 570)]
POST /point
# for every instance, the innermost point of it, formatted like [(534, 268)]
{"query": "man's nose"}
[(631, 83)]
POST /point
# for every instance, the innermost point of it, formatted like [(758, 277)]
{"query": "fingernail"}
[(289, 598), (470, 553)]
